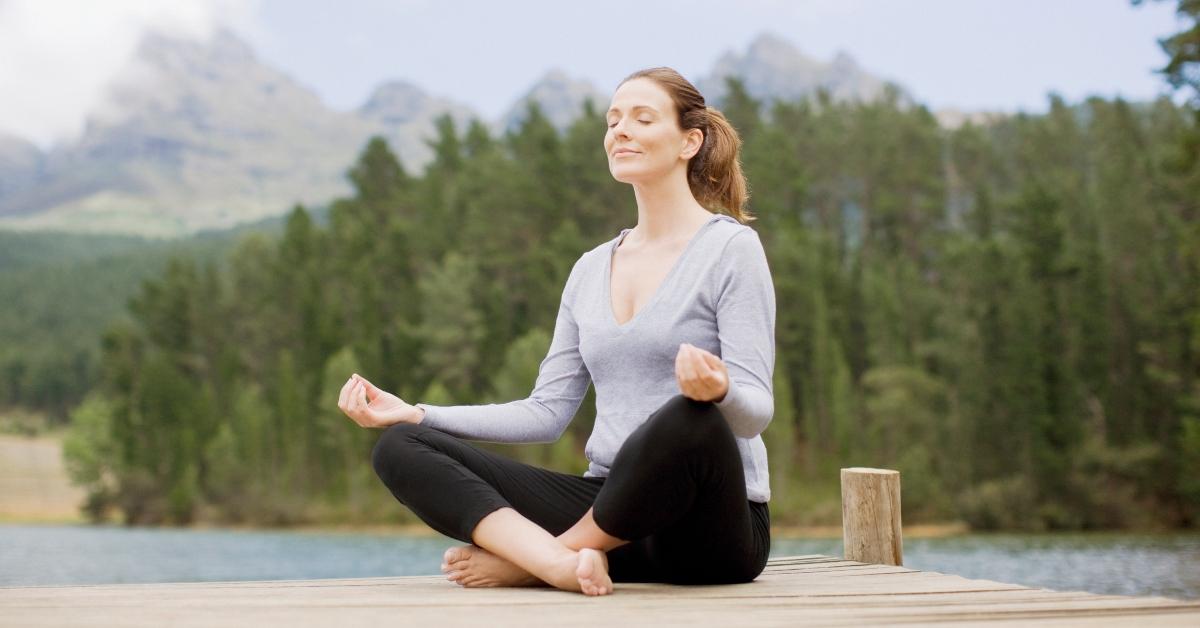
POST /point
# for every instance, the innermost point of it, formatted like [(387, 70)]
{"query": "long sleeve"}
[(561, 385), (746, 330)]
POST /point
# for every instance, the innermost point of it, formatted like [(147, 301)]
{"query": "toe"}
[(458, 553)]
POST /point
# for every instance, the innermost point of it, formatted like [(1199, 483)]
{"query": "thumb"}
[(712, 360), (372, 391)]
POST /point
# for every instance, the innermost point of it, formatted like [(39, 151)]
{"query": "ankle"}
[(560, 571)]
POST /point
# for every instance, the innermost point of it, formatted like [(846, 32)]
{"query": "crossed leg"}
[(473, 566), (510, 511)]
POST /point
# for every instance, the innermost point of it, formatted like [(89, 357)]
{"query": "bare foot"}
[(592, 572), (473, 566), (584, 571)]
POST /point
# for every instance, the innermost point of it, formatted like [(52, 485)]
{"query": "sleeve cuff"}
[(430, 417), (730, 399)]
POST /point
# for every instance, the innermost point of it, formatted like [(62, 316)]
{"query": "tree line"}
[(1007, 313)]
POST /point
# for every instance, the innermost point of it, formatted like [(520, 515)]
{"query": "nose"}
[(620, 129)]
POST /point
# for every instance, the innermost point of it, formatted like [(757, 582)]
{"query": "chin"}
[(630, 175)]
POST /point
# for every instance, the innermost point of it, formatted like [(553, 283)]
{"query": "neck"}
[(667, 210)]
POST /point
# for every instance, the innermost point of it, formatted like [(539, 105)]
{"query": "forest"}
[(1006, 312)]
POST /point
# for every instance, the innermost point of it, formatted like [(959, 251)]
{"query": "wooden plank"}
[(816, 590)]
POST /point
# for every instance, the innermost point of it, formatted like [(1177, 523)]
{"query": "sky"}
[(56, 56)]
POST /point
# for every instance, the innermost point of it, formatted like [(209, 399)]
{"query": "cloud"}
[(57, 56)]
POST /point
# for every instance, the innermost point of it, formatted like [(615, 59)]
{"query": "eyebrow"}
[(635, 108)]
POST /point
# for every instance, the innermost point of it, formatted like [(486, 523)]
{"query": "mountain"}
[(772, 68), (20, 162), (191, 136), (198, 136), (560, 98), (202, 135), (404, 114)]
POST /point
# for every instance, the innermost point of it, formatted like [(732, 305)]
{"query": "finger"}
[(372, 390), (714, 373), (365, 413), (720, 370), (680, 360), (680, 377), (355, 405), (697, 360), (703, 369), (706, 378), (685, 386), (712, 360), (344, 395), (689, 364)]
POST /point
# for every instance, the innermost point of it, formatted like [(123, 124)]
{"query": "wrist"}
[(725, 395)]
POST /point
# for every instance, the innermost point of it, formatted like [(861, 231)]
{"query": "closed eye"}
[(642, 121)]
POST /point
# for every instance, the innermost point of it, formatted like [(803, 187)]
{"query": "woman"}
[(674, 322)]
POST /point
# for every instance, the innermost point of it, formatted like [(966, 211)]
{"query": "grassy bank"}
[(34, 487)]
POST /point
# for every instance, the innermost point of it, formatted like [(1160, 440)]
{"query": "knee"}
[(685, 422), (395, 445)]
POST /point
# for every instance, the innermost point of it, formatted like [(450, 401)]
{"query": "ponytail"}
[(715, 174)]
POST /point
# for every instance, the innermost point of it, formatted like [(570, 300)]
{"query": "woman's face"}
[(644, 142)]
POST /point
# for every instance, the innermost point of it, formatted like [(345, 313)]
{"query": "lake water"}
[(1125, 564)]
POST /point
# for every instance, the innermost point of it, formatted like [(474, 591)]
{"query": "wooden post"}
[(871, 516)]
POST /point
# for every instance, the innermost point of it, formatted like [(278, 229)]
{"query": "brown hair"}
[(714, 172)]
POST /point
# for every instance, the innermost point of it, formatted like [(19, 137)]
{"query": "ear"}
[(692, 141)]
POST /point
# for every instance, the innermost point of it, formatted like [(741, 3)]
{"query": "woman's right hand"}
[(369, 406)]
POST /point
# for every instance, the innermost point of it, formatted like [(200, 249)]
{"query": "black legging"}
[(676, 490)]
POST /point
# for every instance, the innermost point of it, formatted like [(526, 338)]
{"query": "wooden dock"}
[(799, 590), (868, 587)]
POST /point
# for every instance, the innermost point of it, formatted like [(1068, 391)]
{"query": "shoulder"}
[(595, 256), (741, 264), (598, 251), (591, 262), (738, 242)]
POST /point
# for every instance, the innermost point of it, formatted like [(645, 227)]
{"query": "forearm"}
[(523, 421), (747, 408)]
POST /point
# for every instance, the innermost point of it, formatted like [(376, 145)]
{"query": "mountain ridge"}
[(203, 135)]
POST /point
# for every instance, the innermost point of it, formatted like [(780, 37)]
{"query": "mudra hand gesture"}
[(371, 407), (702, 376)]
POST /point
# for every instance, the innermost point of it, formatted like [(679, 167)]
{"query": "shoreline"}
[(916, 531), (37, 491)]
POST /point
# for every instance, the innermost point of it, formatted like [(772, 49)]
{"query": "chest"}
[(636, 276)]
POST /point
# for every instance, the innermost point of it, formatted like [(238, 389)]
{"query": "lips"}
[(624, 151)]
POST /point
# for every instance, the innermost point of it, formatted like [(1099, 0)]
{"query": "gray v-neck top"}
[(718, 296)]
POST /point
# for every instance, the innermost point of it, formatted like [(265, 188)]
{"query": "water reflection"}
[(1120, 564), (1124, 564)]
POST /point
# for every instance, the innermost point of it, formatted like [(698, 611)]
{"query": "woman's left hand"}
[(702, 376)]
